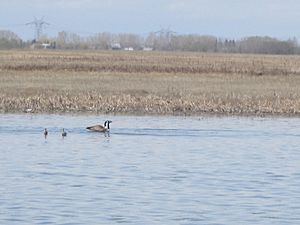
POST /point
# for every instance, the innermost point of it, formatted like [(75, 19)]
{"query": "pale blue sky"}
[(222, 18)]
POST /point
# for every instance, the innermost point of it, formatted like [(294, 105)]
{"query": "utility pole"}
[(38, 27)]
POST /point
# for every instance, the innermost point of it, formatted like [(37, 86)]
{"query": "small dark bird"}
[(45, 132), (64, 133), (100, 128)]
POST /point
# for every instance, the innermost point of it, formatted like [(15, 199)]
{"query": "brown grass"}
[(149, 82)]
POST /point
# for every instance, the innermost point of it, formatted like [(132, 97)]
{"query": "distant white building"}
[(147, 49), (43, 45), (46, 45), (128, 49), (116, 46)]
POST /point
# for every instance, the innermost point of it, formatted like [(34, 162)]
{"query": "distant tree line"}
[(161, 41), (9, 40)]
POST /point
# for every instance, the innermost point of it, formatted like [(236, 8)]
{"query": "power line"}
[(11, 25)]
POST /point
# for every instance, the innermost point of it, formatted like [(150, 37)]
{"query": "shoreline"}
[(143, 114)]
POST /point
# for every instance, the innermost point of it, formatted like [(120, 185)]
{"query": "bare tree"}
[(9, 39)]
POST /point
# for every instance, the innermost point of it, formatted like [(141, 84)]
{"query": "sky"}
[(221, 18)]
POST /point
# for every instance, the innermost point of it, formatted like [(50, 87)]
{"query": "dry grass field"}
[(149, 83)]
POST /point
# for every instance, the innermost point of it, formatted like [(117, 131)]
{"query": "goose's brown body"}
[(98, 128)]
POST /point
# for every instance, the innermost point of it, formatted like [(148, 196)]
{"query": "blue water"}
[(149, 170)]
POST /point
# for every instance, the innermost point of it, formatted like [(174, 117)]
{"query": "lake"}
[(149, 170)]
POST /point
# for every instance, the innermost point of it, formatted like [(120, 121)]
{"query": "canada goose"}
[(64, 133), (100, 128), (45, 132)]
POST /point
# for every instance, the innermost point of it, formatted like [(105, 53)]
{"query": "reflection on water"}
[(149, 170)]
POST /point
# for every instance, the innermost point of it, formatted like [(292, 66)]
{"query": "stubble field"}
[(149, 83)]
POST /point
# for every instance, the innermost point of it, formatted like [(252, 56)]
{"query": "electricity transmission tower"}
[(165, 36), (38, 27), (165, 32)]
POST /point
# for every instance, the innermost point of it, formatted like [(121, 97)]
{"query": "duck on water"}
[(100, 128), (45, 132)]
